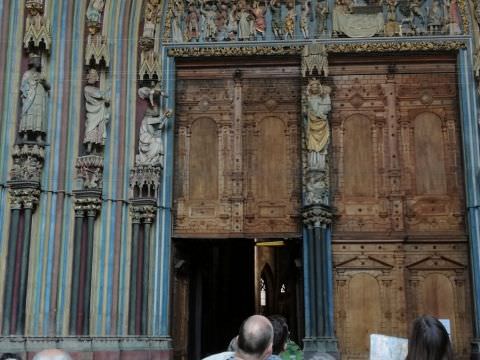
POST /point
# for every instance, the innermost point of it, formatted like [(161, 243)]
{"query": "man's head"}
[(255, 338), (280, 333), (52, 354)]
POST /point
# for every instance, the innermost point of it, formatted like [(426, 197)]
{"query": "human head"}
[(10, 356), (92, 76), (52, 354), (255, 338), (280, 333), (429, 340)]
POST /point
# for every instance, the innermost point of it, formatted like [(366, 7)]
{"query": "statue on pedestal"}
[(34, 91), (96, 104)]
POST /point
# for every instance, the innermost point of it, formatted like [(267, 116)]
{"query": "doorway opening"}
[(218, 283)]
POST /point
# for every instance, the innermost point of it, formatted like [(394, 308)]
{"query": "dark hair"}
[(254, 338), (280, 333), (429, 340), (10, 356)]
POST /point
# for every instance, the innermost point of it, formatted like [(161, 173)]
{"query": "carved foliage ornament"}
[(27, 162)]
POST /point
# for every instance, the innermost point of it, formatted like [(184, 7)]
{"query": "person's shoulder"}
[(227, 355)]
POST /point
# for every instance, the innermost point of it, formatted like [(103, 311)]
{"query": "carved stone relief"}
[(37, 27)]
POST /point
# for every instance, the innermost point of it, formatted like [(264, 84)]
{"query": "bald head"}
[(255, 338), (52, 354)]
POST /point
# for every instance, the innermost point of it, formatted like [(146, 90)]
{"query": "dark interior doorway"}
[(217, 284)]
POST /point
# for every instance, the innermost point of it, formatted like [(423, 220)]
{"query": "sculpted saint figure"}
[(318, 131), (96, 104), (277, 25), (259, 15), (245, 22), (192, 22), (321, 14), (290, 23), (94, 10), (34, 91), (305, 19), (178, 9), (210, 13), (150, 143)]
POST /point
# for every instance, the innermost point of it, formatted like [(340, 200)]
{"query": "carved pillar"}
[(144, 187), (87, 206), (317, 213)]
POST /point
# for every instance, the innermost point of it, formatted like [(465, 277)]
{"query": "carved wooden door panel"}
[(237, 168), (400, 247)]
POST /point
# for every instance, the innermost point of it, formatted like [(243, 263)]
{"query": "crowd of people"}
[(262, 338)]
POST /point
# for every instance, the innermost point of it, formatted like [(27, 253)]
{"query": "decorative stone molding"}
[(314, 56), (23, 194), (141, 211), (37, 27), (317, 215), (145, 182), (90, 171), (235, 51), (382, 47), (27, 162), (88, 201), (96, 51), (150, 65)]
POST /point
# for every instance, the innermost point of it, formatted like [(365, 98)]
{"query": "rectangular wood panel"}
[(237, 150)]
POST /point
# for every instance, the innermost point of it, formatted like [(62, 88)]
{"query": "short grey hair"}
[(52, 354)]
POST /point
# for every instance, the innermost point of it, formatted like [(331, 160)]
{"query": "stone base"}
[(475, 349), (318, 347), (93, 348)]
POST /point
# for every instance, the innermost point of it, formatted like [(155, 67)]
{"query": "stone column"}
[(317, 213)]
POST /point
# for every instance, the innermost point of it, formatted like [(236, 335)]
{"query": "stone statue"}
[(435, 18), (96, 104), (290, 23), (453, 18), (259, 15), (192, 23), (150, 143), (305, 19), (316, 188), (34, 91), (321, 14), (231, 27), (178, 9), (277, 24), (245, 22), (94, 10), (210, 14), (317, 131), (152, 9), (417, 13)]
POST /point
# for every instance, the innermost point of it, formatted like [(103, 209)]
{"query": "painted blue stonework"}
[(471, 151)]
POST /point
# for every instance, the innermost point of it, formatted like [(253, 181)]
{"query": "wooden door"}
[(237, 168), (400, 246)]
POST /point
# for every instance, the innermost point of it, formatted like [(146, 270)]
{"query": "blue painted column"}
[(471, 152), (320, 337)]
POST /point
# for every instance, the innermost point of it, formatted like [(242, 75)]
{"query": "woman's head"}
[(429, 340)]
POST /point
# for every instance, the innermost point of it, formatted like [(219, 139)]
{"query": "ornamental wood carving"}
[(237, 168), (400, 246)]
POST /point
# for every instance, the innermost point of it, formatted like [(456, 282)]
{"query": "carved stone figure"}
[(417, 13), (277, 24), (96, 104), (245, 22), (178, 9), (94, 10), (305, 19), (150, 143), (231, 27), (259, 15), (290, 23), (192, 23), (152, 14), (321, 14), (317, 132), (453, 18), (435, 18), (210, 14), (34, 90), (316, 188)]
